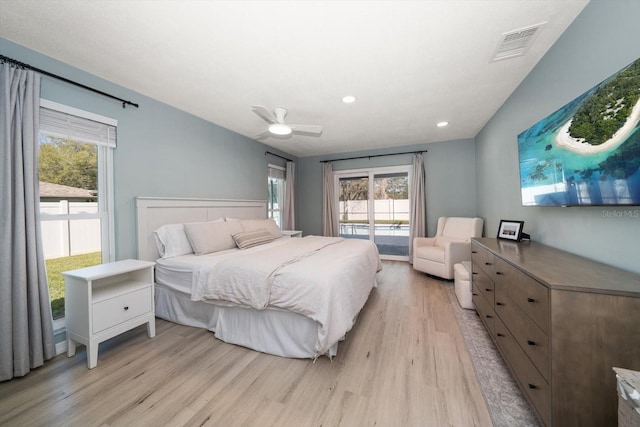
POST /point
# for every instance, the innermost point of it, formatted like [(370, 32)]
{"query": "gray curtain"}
[(289, 203), (417, 203), (26, 327), (329, 219)]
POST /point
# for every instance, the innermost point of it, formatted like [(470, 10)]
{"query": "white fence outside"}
[(70, 237), (385, 210)]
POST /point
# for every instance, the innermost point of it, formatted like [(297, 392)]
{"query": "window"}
[(275, 202), (76, 188), (374, 204)]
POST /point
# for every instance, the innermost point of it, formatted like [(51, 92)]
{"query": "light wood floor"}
[(403, 364)]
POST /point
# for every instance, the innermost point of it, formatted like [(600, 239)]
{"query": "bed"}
[(291, 297)]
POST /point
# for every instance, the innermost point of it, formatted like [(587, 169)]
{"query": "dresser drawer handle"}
[(499, 303), (475, 272), (126, 307), (499, 273), (474, 252), (499, 334), (474, 294), (488, 289), (531, 342), (488, 316), (530, 300), (487, 263), (533, 386)]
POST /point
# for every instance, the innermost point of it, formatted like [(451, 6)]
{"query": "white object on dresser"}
[(292, 233), (106, 300)]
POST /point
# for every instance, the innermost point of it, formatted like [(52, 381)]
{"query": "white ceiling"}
[(410, 64)]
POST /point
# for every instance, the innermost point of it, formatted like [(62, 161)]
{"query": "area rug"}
[(505, 402)]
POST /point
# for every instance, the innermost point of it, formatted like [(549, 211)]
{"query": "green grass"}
[(56, 266)]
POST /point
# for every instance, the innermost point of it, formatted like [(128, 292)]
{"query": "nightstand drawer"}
[(116, 310)]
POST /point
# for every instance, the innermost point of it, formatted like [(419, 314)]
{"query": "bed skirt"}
[(273, 331)]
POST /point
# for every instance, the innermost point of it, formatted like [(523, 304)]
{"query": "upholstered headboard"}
[(152, 212)]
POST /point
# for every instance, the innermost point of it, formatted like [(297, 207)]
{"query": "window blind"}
[(276, 172), (64, 125)]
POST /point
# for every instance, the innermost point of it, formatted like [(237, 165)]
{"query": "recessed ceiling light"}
[(442, 124), (349, 99), (279, 129)]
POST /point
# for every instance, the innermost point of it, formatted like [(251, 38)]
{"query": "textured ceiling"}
[(410, 64)]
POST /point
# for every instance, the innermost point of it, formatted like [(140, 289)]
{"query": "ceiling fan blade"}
[(309, 129), (266, 134), (262, 136), (265, 114)]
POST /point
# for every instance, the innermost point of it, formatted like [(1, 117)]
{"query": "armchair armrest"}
[(423, 241), (456, 252)]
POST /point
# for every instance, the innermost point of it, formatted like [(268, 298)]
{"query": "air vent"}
[(516, 42)]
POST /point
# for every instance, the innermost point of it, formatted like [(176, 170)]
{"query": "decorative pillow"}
[(262, 224), (249, 239), (208, 237), (171, 241)]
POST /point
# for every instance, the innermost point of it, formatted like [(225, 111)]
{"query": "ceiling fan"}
[(278, 127)]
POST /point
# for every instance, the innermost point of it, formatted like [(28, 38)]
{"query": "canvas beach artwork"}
[(587, 152)]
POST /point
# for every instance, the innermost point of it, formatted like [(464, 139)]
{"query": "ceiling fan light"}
[(279, 129), (349, 99), (442, 124)]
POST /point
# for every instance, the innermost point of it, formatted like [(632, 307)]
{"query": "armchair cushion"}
[(433, 253)]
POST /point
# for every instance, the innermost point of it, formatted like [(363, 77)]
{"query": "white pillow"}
[(208, 237), (259, 224), (171, 241), (249, 239)]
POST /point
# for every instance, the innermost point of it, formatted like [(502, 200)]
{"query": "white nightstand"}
[(292, 233), (106, 300)]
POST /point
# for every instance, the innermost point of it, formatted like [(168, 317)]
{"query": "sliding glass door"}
[(353, 197), (391, 213), (374, 204)]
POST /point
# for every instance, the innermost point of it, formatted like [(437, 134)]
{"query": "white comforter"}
[(327, 279)]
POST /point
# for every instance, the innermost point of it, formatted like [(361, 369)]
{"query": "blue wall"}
[(604, 38), (161, 151), (166, 152), (449, 180)]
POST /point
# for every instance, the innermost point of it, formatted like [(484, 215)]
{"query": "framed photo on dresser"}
[(510, 230)]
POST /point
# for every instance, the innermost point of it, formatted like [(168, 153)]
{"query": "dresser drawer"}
[(119, 309), (530, 295), (484, 309), (527, 334), (531, 382), (483, 282), (483, 259)]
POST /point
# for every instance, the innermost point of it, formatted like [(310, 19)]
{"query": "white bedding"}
[(325, 279), (177, 272)]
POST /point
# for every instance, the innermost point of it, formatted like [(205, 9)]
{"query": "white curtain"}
[(329, 218), (417, 203), (26, 326), (289, 203)]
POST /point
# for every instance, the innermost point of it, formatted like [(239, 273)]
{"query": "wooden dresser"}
[(561, 323)]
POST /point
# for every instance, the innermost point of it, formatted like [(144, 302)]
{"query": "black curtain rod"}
[(55, 76), (373, 155), (277, 155)]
